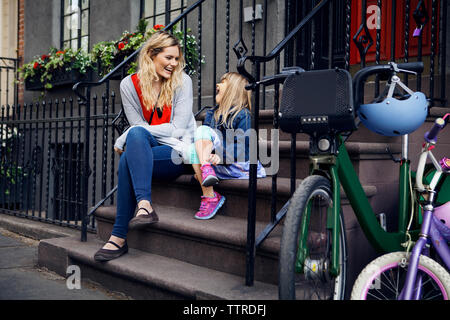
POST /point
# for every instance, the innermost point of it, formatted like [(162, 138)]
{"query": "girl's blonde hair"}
[(234, 99), (147, 72)]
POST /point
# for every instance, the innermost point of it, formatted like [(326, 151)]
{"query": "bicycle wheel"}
[(314, 281), (383, 279)]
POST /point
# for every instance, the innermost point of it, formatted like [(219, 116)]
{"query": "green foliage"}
[(106, 55), (42, 67), (109, 54)]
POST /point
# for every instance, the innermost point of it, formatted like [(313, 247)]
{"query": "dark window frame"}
[(166, 13), (79, 35)]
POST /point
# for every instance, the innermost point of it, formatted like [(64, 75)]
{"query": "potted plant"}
[(109, 54), (57, 68)]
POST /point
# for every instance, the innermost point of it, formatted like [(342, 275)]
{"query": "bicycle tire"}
[(370, 284), (297, 285)]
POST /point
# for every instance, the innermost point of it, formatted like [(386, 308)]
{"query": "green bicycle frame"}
[(341, 171)]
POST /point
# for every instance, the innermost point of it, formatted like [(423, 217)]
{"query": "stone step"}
[(184, 192), (143, 275), (217, 243)]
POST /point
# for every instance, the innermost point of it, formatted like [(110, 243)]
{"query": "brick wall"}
[(21, 44)]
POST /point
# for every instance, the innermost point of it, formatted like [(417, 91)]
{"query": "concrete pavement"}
[(20, 279)]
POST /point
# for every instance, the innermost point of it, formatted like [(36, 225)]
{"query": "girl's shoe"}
[(208, 175), (210, 206), (104, 255)]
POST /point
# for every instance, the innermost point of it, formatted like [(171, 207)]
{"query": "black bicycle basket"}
[(319, 101)]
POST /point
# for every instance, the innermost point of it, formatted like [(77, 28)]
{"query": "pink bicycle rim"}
[(392, 265)]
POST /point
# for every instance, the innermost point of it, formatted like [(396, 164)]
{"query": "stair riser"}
[(56, 259), (201, 252), (129, 287), (236, 204)]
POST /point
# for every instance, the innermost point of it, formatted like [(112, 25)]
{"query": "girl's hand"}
[(214, 159), (119, 152)]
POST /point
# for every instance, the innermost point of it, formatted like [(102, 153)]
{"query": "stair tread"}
[(223, 229), (264, 185), (166, 273)]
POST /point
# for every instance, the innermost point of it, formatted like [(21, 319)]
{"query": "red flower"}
[(121, 45), (60, 52), (44, 56), (158, 26), (36, 65)]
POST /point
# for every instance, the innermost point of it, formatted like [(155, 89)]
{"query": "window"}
[(75, 24), (161, 11)]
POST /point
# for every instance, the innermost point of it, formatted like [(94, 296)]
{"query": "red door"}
[(385, 31)]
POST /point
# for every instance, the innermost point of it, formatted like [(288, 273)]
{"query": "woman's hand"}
[(119, 151), (214, 159)]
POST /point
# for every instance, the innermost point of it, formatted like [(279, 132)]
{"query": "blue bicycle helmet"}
[(393, 117)]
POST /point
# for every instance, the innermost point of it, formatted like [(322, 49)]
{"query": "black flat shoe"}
[(104, 255), (143, 220)]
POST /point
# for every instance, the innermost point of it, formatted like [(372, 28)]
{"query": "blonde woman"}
[(157, 101), (221, 148)]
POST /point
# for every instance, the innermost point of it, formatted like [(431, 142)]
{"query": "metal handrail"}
[(132, 56), (280, 46)]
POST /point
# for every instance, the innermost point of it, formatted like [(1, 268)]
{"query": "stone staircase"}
[(183, 258)]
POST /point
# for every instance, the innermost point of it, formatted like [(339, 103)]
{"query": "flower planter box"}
[(64, 78), (60, 78), (34, 84)]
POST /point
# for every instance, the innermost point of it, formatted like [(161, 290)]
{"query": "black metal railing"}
[(42, 158), (254, 77), (8, 85), (313, 44)]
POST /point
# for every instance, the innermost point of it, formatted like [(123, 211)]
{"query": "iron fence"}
[(43, 152)]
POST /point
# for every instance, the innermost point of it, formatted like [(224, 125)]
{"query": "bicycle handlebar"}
[(275, 79), (430, 138), (431, 135), (386, 69)]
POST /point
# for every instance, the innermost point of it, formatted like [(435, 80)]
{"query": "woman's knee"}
[(137, 134)]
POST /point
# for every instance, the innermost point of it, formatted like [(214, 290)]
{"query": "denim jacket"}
[(242, 121)]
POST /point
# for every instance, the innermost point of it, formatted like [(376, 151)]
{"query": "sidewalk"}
[(20, 279)]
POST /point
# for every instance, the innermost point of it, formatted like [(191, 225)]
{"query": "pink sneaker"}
[(210, 206), (208, 175)]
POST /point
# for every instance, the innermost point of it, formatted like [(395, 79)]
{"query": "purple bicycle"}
[(413, 275)]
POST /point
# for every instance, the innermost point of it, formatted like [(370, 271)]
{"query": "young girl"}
[(221, 145)]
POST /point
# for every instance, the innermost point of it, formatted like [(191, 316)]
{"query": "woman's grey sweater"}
[(178, 133)]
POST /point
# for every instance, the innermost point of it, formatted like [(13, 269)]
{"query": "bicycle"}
[(312, 259), (414, 275)]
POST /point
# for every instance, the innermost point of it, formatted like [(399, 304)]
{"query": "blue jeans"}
[(144, 159)]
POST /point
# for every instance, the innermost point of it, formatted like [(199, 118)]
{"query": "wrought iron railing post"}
[(86, 169), (251, 220)]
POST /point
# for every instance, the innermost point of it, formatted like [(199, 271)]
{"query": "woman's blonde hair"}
[(234, 99), (147, 72)]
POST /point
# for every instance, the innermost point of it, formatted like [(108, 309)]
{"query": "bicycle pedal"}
[(382, 219)]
